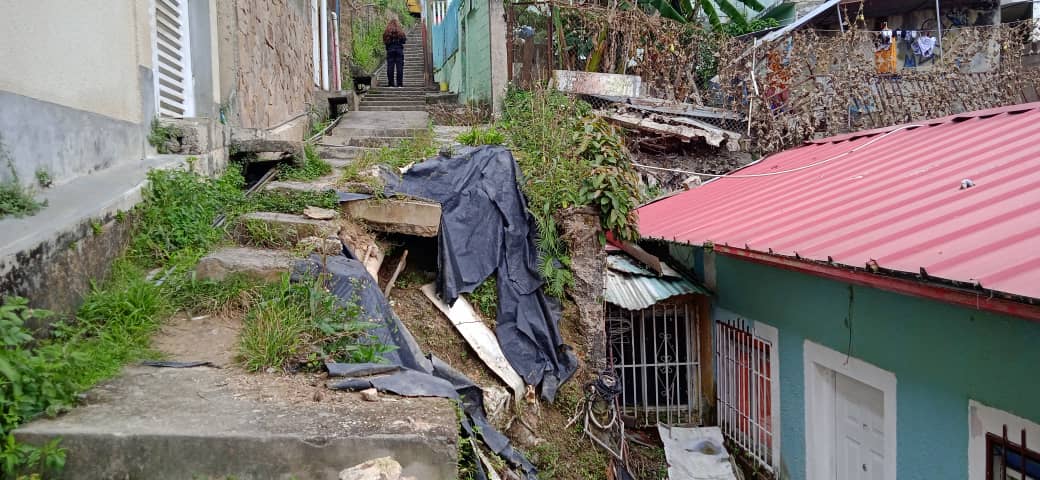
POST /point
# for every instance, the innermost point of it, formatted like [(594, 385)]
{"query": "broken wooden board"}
[(479, 337), (690, 129)]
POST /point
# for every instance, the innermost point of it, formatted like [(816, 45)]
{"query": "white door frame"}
[(819, 362)]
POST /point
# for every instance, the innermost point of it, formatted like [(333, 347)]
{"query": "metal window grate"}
[(1006, 460), (654, 353), (745, 368), (173, 80)]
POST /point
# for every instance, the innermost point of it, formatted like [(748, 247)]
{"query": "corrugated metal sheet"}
[(897, 202), (632, 287)]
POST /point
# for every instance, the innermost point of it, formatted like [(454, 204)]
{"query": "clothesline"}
[(945, 29)]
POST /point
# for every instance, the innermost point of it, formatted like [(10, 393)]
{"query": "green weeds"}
[(292, 202), (17, 201), (161, 134), (311, 168), (410, 150), (44, 178), (485, 299), (481, 136)]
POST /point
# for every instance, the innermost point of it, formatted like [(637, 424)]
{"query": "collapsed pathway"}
[(215, 419)]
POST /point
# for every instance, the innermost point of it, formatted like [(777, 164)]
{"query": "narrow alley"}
[(706, 240)]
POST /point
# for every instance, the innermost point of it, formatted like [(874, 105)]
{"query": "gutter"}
[(979, 299)]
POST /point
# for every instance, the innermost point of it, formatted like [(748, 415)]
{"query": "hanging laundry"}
[(885, 52), (924, 46)]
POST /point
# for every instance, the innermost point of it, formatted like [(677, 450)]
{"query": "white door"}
[(859, 411)]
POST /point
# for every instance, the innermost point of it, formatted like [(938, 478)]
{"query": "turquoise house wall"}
[(941, 354), (475, 54)]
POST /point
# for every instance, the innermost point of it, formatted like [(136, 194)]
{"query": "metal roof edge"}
[(934, 288)]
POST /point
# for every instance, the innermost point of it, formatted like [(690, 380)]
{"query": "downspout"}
[(339, 60), (335, 53)]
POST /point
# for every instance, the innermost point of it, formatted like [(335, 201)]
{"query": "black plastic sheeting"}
[(407, 371), (486, 229)]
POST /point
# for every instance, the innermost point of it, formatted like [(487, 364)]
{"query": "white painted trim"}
[(324, 9), (772, 335), (315, 43), (983, 419), (819, 412)]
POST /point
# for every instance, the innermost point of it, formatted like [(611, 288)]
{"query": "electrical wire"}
[(782, 172)]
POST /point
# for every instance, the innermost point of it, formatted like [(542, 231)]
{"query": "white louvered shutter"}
[(173, 81)]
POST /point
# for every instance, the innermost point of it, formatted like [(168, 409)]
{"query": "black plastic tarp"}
[(415, 374), (486, 229)]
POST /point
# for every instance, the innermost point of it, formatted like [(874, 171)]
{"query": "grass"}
[(367, 47), (295, 325), (311, 168), (292, 202), (263, 234)]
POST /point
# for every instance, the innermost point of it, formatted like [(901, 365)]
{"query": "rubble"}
[(383, 468), (394, 215)]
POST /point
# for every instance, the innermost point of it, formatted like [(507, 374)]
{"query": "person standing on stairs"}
[(394, 39)]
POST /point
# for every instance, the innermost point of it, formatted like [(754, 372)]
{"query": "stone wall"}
[(275, 75)]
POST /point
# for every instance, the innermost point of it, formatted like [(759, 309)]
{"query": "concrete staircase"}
[(411, 97), (174, 423)]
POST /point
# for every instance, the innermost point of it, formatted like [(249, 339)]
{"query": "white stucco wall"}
[(82, 54)]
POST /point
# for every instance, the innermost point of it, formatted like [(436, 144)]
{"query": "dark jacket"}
[(395, 46)]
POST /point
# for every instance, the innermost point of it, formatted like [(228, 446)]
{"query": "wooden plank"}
[(479, 337)]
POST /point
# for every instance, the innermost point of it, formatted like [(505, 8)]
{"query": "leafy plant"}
[(481, 136), (16, 200), (44, 178), (485, 299), (160, 134), (282, 201), (32, 381), (613, 185)]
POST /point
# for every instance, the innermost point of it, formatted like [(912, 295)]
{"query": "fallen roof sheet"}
[(895, 203), (633, 287)]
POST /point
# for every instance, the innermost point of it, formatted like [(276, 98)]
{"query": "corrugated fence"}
[(445, 30)]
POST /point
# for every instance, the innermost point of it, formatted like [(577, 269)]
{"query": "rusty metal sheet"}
[(592, 83)]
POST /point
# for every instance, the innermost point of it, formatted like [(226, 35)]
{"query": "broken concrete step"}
[(169, 423), (345, 152), (291, 147), (261, 264), (396, 102), (271, 229), (294, 186), (406, 216)]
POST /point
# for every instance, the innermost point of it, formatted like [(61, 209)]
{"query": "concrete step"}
[(393, 93), (341, 152), (385, 89), (375, 108), (394, 215), (177, 423), (262, 264), (376, 142), (271, 229), (358, 132), (417, 104), (294, 186)]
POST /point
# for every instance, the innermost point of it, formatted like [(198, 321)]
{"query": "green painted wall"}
[(475, 51), (941, 354)]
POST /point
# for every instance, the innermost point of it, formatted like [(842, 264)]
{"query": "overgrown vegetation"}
[(295, 325), (569, 159), (44, 178), (411, 150), (312, 166), (41, 371), (283, 201)]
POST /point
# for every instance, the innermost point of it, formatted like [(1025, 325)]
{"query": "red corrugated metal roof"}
[(896, 200)]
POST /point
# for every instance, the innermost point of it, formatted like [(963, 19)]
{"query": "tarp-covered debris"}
[(486, 229), (418, 375), (696, 453)]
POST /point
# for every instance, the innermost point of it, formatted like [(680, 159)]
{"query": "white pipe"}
[(337, 80), (324, 44), (938, 26)]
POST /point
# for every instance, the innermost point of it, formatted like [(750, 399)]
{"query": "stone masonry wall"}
[(275, 72)]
